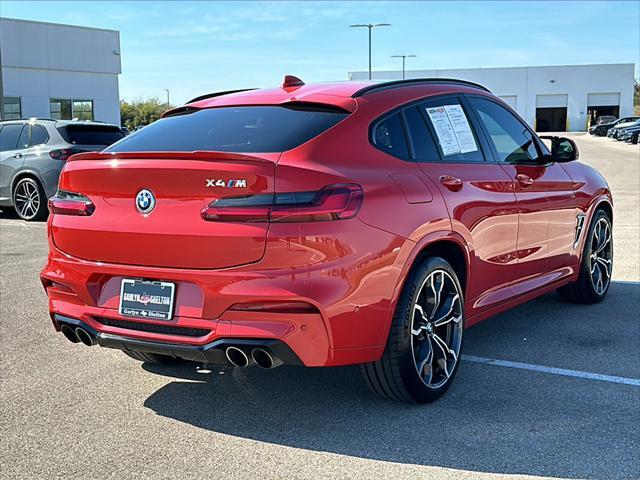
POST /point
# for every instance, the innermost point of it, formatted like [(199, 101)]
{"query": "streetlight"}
[(167, 90), (370, 26), (403, 57)]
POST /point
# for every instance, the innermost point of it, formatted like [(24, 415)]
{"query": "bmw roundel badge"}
[(145, 201)]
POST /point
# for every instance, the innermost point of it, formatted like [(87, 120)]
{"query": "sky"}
[(193, 48)]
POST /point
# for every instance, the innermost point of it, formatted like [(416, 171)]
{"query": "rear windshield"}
[(249, 129), (91, 134)]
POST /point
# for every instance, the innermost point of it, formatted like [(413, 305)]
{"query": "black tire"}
[(395, 376), (29, 200), (151, 357), (584, 290)]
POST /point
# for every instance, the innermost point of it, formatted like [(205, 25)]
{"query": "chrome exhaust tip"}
[(237, 357), (264, 359), (85, 337), (69, 334)]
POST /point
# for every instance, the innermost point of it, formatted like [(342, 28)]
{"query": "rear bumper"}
[(346, 276), (209, 353)]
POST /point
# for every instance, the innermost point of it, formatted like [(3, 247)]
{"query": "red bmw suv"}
[(321, 225)]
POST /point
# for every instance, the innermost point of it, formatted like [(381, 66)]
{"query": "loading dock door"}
[(599, 104), (551, 113)]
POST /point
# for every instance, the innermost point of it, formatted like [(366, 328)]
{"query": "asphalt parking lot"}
[(74, 412)]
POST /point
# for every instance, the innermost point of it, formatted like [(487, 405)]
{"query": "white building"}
[(555, 98), (59, 71)]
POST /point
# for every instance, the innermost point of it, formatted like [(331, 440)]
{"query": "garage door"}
[(511, 100), (603, 99), (551, 101)]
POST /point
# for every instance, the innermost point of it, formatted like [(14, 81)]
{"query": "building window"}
[(83, 109), (12, 110), (60, 109), (65, 109)]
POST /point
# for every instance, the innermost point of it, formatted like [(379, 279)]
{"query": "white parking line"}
[(22, 224), (626, 282), (553, 370)]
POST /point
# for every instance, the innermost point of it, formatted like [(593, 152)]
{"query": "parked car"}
[(632, 136), (32, 154), (602, 130), (619, 126), (622, 134), (323, 225), (601, 120)]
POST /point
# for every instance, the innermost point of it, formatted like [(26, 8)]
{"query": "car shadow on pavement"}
[(493, 419)]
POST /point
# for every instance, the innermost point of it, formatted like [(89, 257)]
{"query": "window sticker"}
[(444, 130), (453, 129), (461, 128)]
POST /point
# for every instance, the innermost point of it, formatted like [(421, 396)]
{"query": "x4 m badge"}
[(240, 183)]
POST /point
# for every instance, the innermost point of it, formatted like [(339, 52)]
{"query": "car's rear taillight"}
[(334, 202), (69, 203), (63, 153)]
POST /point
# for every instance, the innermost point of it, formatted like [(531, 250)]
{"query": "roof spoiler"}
[(219, 94)]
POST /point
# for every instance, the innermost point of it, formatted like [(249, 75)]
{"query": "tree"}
[(141, 112), (636, 97)]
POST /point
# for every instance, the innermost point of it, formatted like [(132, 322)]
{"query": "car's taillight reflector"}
[(334, 202), (62, 154), (275, 307), (69, 203)]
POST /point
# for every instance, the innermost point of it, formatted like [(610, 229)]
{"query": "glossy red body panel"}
[(181, 198), (517, 241)]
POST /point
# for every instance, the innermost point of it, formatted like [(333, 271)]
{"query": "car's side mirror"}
[(563, 149)]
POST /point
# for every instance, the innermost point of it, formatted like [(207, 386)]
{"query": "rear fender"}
[(408, 256)]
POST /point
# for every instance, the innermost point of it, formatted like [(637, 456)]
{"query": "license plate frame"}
[(136, 295)]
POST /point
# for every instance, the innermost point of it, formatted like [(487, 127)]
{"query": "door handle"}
[(452, 183), (18, 155), (524, 180)]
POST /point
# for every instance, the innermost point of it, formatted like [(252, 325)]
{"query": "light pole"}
[(403, 57), (167, 90), (370, 26)]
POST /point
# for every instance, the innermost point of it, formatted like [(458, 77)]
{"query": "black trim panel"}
[(212, 353), (415, 81)]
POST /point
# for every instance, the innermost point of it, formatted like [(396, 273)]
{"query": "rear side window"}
[(90, 134), (9, 136), (424, 148), (39, 135), (250, 129), (23, 140), (388, 136), (452, 130)]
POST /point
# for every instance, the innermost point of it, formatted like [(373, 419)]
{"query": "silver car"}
[(32, 153)]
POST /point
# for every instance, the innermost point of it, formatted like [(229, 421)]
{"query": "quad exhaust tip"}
[(85, 337), (237, 357), (264, 359)]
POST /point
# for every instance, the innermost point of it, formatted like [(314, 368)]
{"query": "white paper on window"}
[(444, 130), (461, 128)]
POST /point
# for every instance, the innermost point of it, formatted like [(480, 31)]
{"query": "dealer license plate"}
[(146, 299)]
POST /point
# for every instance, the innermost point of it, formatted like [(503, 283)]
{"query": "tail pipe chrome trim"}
[(237, 357), (69, 334), (264, 359), (85, 337)]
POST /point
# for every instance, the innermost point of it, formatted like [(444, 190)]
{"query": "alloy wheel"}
[(27, 199), (600, 261), (436, 330)]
